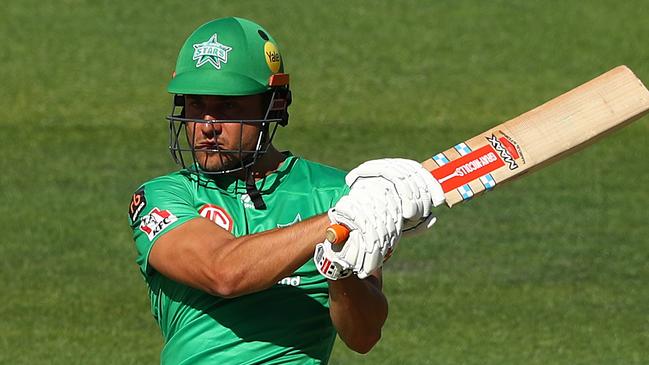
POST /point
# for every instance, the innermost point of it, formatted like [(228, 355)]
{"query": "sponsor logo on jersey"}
[(291, 280), (506, 150), (467, 168), (156, 221), (246, 201), (297, 218), (138, 203), (217, 215), (212, 52)]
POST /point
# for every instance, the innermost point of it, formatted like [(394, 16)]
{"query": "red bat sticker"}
[(468, 168)]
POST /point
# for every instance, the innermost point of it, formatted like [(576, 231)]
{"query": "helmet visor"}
[(212, 156)]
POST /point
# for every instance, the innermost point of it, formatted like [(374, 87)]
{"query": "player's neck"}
[(268, 163)]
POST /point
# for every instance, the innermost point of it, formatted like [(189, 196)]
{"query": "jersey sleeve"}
[(157, 207), (328, 183)]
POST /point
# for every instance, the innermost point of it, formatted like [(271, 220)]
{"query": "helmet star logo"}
[(212, 52)]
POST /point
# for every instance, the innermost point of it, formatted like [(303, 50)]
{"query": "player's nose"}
[(211, 127)]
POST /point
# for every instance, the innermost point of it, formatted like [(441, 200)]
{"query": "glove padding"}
[(374, 219), (416, 187)]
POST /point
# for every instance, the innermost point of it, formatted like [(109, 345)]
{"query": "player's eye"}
[(229, 105), (196, 104)]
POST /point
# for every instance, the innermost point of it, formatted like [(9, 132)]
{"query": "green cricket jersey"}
[(288, 323)]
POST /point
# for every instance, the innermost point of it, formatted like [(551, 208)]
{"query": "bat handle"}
[(337, 234)]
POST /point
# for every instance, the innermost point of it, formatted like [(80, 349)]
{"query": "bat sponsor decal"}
[(505, 149), (468, 168)]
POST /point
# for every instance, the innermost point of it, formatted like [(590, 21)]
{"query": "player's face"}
[(223, 136)]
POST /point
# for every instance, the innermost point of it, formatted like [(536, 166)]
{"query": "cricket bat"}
[(534, 139)]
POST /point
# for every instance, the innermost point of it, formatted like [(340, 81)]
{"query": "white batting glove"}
[(416, 188), (374, 219), (331, 263)]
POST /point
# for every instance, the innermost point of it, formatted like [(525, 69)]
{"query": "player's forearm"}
[(358, 310), (255, 262)]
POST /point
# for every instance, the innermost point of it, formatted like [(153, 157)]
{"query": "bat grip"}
[(337, 234)]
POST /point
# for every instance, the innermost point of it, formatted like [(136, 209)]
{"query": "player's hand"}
[(416, 188), (374, 219)]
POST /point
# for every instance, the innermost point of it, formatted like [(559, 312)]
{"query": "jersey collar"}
[(235, 187)]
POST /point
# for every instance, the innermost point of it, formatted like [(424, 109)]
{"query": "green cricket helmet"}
[(228, 57)]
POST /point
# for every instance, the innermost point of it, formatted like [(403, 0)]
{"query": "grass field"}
[(551, 269)]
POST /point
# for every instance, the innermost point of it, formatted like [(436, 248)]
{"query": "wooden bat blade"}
[(540, 136), (536, 138)]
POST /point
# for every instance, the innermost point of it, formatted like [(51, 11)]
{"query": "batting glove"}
[(373, 216), (416, 188)]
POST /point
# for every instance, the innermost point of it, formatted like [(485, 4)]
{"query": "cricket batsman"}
[(232, 246)]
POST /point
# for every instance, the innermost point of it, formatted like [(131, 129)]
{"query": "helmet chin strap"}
[(252, 191)]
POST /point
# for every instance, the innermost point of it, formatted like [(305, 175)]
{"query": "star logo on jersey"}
[(212, 52), (298, 218)]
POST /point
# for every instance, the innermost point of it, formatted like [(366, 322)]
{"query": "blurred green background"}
[(549, 270)]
